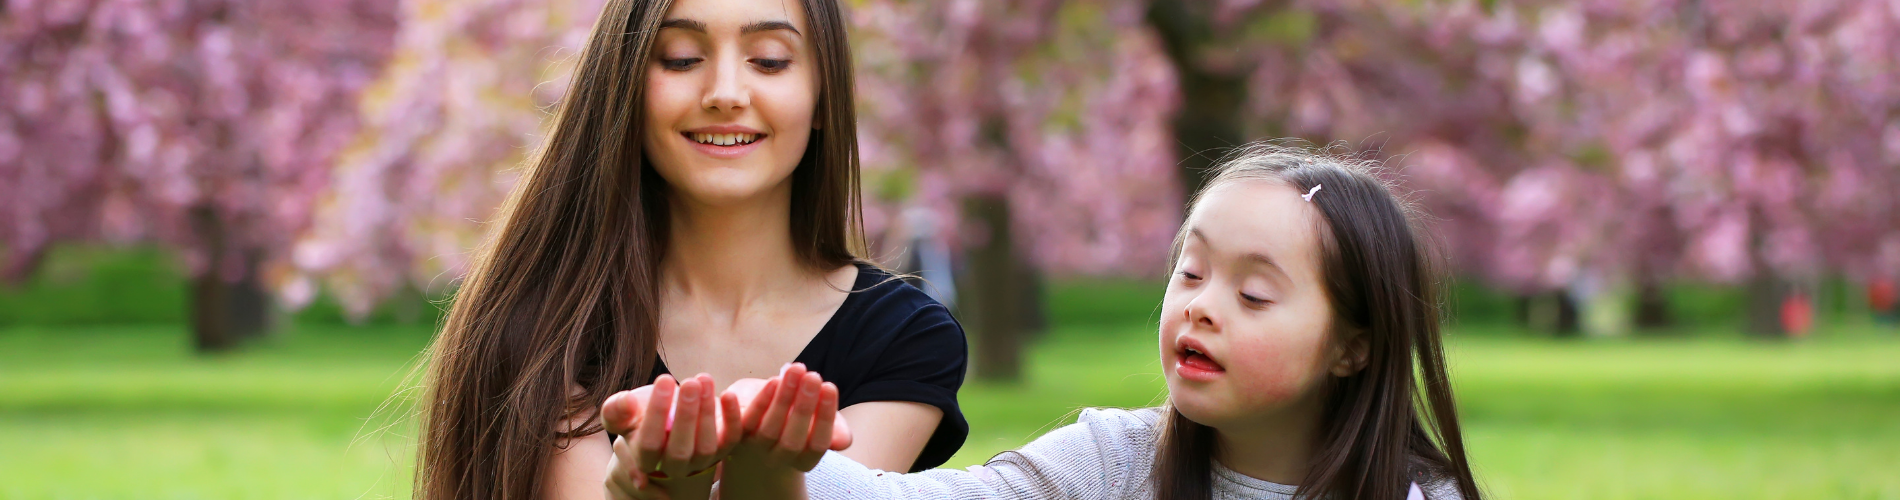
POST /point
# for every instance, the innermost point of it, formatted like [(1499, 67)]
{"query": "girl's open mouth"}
[(1193, 363)]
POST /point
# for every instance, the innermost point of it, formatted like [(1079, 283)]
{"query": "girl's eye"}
[(1189, 276), (680, 64), (772, 65), (1253, 300)]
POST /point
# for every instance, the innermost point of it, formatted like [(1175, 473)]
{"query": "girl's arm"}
[(1085, 460), (1094, 458)]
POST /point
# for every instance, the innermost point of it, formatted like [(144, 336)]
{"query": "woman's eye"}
[(682, 64), (772, 65)]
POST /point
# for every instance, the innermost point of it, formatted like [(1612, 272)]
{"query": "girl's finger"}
[(798, 423), (706, 441), (679, 442), (773, 424), (761, 403), (651, 438)]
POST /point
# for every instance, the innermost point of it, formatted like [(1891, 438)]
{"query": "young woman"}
[(693, 210), (1296, 333)]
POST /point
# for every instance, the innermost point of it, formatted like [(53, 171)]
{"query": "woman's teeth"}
[(725, 139)]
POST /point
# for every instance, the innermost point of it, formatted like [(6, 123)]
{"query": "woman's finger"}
[(798, 423), (651, 438), (621, 413), (621, 472), (773, 424), (822, 422), (679, 442), (755, 411), (729, 415), (706, 441), (840, 434)]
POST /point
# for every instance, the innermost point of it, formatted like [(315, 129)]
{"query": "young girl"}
[(693, 210), (1299, 324)]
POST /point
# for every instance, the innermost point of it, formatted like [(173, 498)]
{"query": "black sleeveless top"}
[(891, 342)]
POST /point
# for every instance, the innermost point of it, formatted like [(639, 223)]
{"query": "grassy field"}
[(129, 412)]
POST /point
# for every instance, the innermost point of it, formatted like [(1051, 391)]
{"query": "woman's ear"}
[(1351, 353)]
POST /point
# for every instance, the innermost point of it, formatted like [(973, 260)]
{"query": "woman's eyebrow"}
[(762, 26), (684, 24)]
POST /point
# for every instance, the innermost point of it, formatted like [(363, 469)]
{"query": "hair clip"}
[(1309, 193)]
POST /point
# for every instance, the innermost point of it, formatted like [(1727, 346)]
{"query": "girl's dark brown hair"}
[(1379, 433), (565, 293)]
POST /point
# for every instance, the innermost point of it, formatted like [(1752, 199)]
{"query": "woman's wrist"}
[(688, 487), (750, 474)]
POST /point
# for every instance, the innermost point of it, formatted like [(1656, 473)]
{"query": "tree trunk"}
[(225, 312), (1652, 307), (1554, 312), (1209, 120), (1764, 305), (992, 294)]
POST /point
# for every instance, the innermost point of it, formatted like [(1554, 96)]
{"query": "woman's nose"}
[(728, 92)]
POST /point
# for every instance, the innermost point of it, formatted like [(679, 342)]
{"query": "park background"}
[(229, 228)]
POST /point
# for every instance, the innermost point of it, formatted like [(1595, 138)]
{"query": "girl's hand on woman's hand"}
[(794, 419), (667, 432)]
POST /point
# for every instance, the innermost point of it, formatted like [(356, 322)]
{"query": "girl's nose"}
[(1198, 314)]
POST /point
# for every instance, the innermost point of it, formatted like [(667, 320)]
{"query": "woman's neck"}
[(1278, 448), (731, 256)]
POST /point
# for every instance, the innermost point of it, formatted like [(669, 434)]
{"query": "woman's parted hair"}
[(565, 292), (1378, 434)]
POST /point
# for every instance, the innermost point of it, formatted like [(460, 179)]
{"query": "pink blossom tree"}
[(1637, 141), (1039, 130), (206, 126)]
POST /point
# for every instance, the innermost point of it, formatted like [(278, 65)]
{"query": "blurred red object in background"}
[(1797, 314), (1881, 295)]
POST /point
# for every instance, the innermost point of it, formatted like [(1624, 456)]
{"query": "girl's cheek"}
[(1275, 374)]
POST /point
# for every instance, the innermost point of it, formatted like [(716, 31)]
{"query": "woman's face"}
[(1245, 322), (730, 100)]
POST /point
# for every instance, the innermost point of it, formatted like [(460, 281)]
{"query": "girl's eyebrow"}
[(1256, 257)]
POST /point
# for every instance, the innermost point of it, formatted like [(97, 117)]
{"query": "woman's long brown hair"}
[(1379, 432), (565, 292)]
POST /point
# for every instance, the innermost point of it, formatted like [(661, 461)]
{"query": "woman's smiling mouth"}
[(724, 141)]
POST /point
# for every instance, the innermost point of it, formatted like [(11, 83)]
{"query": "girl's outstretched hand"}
[(668, 431), (794, 419)]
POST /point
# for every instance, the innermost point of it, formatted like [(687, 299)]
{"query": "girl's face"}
[(1245, 323), (731, 93)]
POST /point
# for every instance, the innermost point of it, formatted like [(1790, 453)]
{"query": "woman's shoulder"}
[(884, 306), (877, 286)]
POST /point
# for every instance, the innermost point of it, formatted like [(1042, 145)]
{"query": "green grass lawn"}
[(129, 412)]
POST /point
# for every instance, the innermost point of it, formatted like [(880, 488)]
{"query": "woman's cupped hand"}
[(673, 430)]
